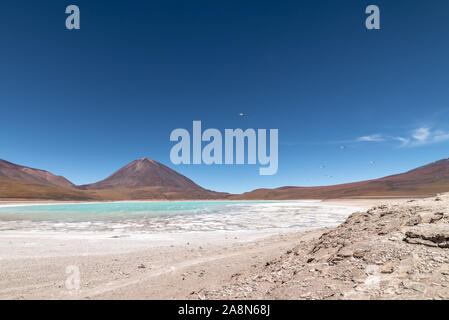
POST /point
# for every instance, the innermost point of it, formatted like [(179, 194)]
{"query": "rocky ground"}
[(394, 251)]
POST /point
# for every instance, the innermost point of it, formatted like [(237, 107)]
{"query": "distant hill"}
[(13, 189), (427, 180), (16, 172)]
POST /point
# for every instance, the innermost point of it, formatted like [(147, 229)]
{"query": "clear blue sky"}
[(84, 103)]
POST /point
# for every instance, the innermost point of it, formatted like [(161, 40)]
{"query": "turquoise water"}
[(115, 211), (173, 216)]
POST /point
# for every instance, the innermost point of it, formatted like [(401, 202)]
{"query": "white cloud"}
[(421, 134), (424, 136), (441, 137), (418, 137), (403, 140), (371, 138)]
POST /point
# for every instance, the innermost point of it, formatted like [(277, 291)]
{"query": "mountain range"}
[(142, 179), (146, 179), (423, 181)]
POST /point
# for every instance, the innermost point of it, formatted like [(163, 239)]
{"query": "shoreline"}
[(353, 202)]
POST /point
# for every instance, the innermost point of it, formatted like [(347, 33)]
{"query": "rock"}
[(345, 253), (437, 217), (387, 269), (415, 286), (421, 241), (413, 221), (390, 252), (444, 244), (430, 235), (358, 254), (431, 217), (201, 296)]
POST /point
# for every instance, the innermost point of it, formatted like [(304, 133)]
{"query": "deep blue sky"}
[(84, 103)]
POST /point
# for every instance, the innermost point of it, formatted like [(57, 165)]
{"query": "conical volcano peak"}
[(145, 172), (143, 161)]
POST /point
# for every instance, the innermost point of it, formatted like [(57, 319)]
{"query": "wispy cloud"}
[(421, 134), (419, 137), (441, 137), (424, 136), (404, 141), (371, 138)]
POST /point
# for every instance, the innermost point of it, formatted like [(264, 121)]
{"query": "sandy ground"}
[(35, 266), (39, 265)]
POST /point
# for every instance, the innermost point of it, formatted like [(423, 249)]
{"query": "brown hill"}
[(13, 189), (16, 172), (144, 173), (423, 181)]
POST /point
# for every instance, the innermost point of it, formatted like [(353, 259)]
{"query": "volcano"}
[(144, 173), (146, 179)]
